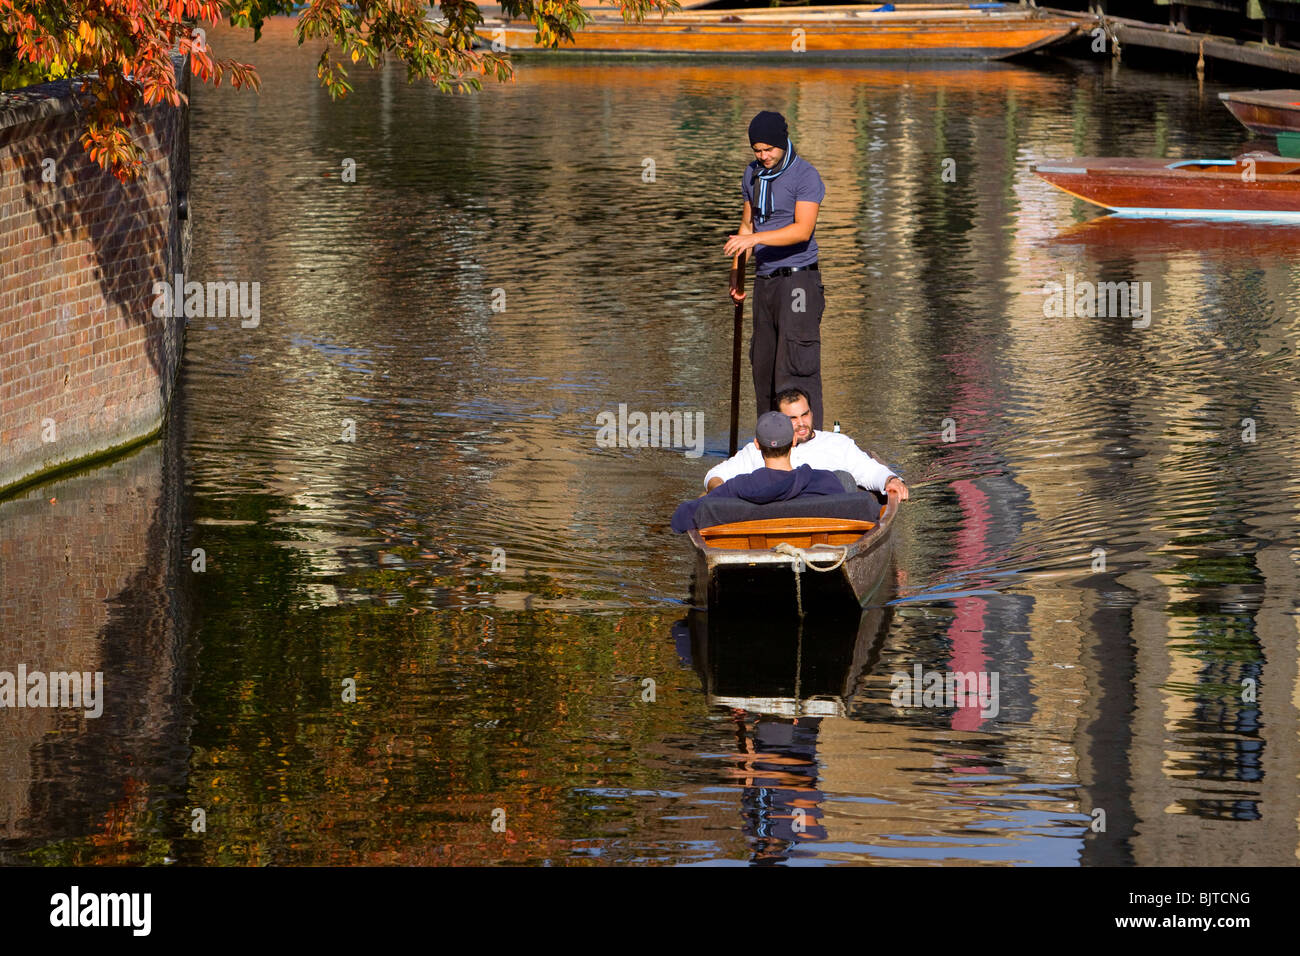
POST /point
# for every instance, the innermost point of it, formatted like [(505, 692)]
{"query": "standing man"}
[(782, 192)]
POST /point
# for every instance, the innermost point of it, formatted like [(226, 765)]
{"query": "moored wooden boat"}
[(1251, 186), (1265, 111), (840, 561), (844, 32)]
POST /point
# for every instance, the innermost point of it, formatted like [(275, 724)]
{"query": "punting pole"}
[(735, 359)]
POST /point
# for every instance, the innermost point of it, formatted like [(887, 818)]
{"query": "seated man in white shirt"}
[(828, 450)]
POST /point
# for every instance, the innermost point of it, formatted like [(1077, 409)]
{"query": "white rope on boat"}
[(803, 555), (803, 558)]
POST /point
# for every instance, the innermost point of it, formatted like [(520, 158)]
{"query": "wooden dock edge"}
[(1156, 36)]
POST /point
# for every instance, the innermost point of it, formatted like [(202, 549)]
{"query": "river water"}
[(438, 622)]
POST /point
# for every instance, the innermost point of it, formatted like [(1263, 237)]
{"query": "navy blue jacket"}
[(762, 487)]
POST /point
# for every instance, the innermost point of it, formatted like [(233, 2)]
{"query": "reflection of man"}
[(781, 801), (782, 193), (825, 450), (774, 480)]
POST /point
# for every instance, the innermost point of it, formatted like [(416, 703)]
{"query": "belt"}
[(788, 271)]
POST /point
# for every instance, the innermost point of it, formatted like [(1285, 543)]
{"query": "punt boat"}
[(1251, 186), (811, 563), (1268, 112), (980, 31)]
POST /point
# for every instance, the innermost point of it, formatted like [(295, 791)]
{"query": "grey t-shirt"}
[(799, 183)]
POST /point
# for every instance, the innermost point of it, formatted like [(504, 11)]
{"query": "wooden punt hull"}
[(1251, 186), (916, 34), (761, 576), (1265, 111)]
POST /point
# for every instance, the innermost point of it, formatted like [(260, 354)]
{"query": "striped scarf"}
[(762, 183)]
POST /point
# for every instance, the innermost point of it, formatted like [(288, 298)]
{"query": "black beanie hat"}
[(768, 127)]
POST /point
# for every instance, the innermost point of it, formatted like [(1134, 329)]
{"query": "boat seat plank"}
[(789, 526), (766, 533)]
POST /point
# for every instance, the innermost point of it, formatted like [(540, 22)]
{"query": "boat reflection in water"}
[(1217, 240), (779, 676)]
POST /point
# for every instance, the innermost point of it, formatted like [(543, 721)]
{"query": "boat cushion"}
[(858, 506)]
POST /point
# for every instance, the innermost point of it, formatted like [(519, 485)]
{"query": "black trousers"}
[(786, 348)]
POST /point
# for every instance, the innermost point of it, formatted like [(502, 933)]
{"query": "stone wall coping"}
[(30, 103)]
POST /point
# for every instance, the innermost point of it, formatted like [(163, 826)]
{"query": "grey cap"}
[(774, 430)]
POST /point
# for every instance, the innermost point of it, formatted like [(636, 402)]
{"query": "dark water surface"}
[(1150, 688)]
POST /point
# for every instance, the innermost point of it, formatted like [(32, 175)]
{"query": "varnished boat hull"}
[(909, 36), (1150, 188), (1268, 112)]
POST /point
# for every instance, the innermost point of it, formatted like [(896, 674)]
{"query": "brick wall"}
[(79, 343)]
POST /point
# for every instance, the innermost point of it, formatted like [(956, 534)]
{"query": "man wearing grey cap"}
[(777, 480)]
